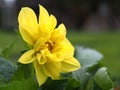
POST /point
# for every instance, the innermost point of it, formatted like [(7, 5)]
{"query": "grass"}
[(107, 43), (7, 38)]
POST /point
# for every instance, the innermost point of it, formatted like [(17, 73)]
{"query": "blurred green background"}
[(106, 43), (90, 23)]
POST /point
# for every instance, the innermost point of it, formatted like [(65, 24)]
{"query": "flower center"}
[(41, 44), (50, 45)]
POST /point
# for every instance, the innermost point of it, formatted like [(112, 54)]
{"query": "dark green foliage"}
[(88, 77), (90, 84), (82, 76), (102, 79), (24, 71), (19, 77), (27, 84), (54, 84), (6, 69), (6, 51), (22, 79), (73, 84)]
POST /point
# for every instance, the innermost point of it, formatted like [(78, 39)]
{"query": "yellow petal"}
[(28, 17), (43, 16), (56, 49), (45, 52), (41, 59), (52, 22), (27, 57), (39, 56), (53, 69), (46, 22), (49, 25), (67, 48), (28, 24), (59, 33), (54, 58), (69, 65), (63, 49), (38, 44), (27, 34), (40, 74), (62, 29)]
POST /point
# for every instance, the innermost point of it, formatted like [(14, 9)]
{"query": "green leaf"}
[(6, 69), (6, 51), (73, 84), (23, 79), (102, 79), (24, 71), (82, 76), (54, 84), (88, 57), (0, 53), (20, 85), (2, 80), (90, 84)]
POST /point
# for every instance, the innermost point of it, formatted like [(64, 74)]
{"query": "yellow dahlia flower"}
[(51, 52)]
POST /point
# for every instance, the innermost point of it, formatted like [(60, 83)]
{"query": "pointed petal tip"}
[(41, 7), (79, 66), (43, 15), (27, 57), (25, 62), (70, 65), (41, 82), (40, 73)]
